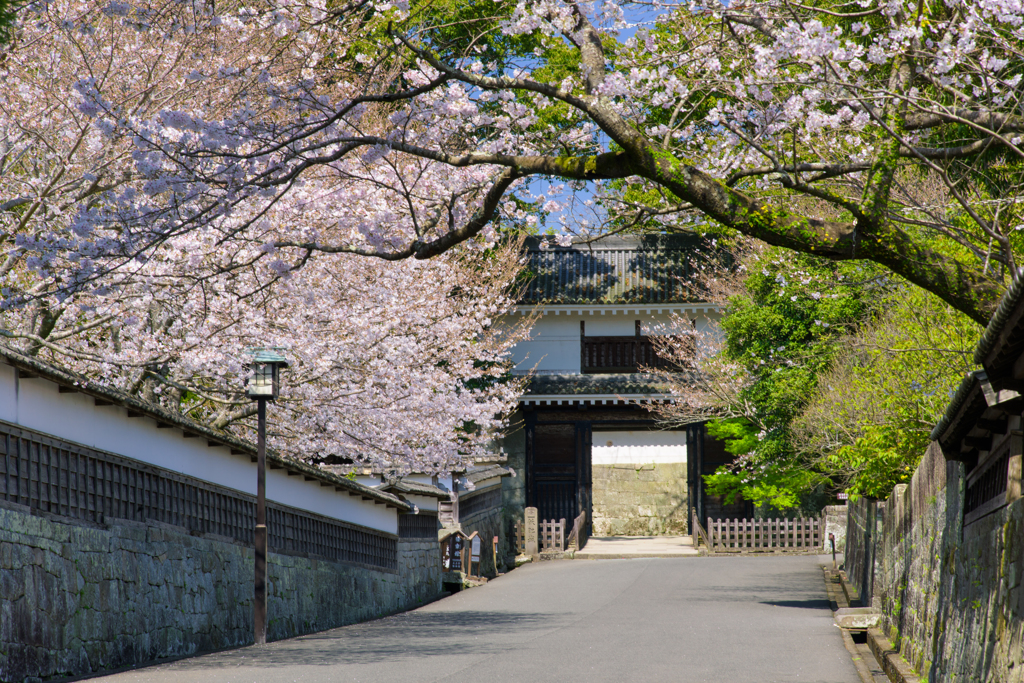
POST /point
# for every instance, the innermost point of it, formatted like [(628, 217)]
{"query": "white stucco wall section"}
[(553, 346), (37, 404), (638, 447), (424, 503)]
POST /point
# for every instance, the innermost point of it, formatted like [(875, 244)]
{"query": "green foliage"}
[(783, 330), (876, 406), (8, 13), (850, 370), (738, 434)]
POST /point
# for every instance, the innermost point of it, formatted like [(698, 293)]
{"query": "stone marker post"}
[(531, 533)]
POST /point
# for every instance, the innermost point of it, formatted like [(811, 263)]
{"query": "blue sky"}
[(636, 16)]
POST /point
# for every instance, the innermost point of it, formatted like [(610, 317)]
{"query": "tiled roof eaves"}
[(611, 384), (482, 473), (415, 487), (84, 385), (994, 339), (968, 403), (621, 270)]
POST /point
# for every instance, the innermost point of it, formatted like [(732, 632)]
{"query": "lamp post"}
[(263, 385)]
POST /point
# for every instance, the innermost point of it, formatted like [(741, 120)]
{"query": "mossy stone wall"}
[(78, 599)]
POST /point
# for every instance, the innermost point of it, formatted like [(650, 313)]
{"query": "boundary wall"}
[(950, 595), (126, 535)]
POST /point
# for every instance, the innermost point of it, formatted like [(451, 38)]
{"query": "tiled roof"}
[(476, 474), (1000, 346), (964, 409), (617, 270), (1002, 342), (29, 366), (612, 384), (408, 486)]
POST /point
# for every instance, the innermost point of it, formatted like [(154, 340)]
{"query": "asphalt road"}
[(734, 619)]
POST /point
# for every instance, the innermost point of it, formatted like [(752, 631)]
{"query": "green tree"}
[(868, 422), (784, 331)]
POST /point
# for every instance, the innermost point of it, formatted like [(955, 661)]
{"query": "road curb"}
[(895, 668), (837, 600)]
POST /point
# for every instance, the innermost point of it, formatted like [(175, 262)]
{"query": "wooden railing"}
[(738, 535), (697, 533), (618, 354), (578, 536), (519, 536)]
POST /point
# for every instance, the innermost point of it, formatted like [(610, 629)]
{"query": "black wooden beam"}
[(996, 426), (1011, 383), (982, 443)]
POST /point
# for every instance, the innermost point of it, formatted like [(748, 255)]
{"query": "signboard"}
[(475, 549)]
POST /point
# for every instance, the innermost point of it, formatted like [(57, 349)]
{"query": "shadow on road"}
[(804, 604), (408, 635)]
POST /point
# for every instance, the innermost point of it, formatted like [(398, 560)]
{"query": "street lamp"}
[(264, 384)]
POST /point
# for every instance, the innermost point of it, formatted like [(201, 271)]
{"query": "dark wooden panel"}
[(82, 484)]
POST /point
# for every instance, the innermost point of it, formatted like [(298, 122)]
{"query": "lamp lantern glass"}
[(265, 380)]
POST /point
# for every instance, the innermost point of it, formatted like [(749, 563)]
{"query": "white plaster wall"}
[(8, 395), (554, 343), (37, 404), (424, 503), (638, 447), (480, 485)]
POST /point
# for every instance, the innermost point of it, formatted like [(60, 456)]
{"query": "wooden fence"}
[(551, 534), (738, 535)]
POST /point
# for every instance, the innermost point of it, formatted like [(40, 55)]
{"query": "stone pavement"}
[(702, 620), (625, 547)]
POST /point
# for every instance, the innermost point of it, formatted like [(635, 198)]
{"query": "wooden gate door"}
[(585, 486), (558, 469)]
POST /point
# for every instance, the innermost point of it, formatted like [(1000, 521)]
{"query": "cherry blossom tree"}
[(397, 366), (805, 125)]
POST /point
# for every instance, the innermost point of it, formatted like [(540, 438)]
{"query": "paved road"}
[(756, 619)]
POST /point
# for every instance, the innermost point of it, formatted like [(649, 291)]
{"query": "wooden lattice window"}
[(61, 478), (996, 480)]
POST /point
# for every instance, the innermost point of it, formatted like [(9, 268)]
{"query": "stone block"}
[(858, 617)]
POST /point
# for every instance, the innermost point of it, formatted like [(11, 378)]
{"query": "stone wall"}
[(490, 523), (864, 527), (513, 489), (835, 523), (640, 500), (76, 599), (951, 596)]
